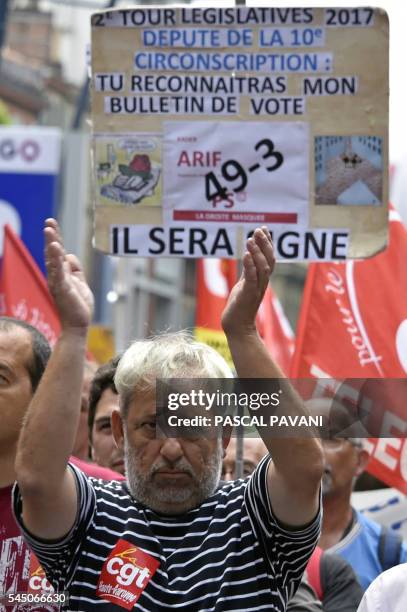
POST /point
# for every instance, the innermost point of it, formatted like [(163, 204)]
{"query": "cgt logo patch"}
[(125, 574), (38, 581)]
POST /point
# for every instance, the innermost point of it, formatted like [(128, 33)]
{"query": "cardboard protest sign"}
[(218, 120)]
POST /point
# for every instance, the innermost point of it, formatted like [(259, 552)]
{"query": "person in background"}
[(81, 444), (334, 582), (80, 453), (369, 548), (24, 353), (332, 578), (103, 400), (305, 599), (387, 592), (254, 450)]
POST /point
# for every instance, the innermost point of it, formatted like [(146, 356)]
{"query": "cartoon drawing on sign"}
[(348, 170), (128, 172), (134, 182)]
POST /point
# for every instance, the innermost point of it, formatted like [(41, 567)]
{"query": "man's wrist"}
[(75, 333), (242, 333)]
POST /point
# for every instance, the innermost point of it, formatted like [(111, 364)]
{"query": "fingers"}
[(53, 235), (265, 243), (54, 261), (52, 224), (249, 269), (75, 266), (261, 250), (53, 243), (50, 237)]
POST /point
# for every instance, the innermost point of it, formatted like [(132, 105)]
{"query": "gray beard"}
[(162, 499)]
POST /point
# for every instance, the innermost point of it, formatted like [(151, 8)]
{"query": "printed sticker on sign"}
[(125, 574)]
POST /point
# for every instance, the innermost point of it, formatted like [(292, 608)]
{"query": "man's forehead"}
[(15, 346), (143, 403), (109, 401)]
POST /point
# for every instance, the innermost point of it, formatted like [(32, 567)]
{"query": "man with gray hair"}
[(170, 537), (166, 356)]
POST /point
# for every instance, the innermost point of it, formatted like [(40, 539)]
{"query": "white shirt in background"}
[(388, 593)]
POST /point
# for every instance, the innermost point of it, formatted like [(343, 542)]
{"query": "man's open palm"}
[(66, 281)]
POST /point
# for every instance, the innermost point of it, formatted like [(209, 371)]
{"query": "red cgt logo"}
[(125, 574), (38, 580)]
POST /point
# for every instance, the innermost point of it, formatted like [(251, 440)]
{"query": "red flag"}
[(215, 278), (353, 320), (275, 330), (353, 323), (25, 291)]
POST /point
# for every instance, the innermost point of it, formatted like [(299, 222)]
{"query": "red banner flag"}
[(353, 324), (275, 330), (24, 289), (215, 278)]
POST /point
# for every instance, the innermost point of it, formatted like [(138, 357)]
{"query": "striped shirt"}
[(230, 553)]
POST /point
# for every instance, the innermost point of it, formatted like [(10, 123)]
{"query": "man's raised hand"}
[(66, 282), (246, 296)]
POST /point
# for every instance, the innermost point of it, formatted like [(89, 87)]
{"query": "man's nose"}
[(171, 449)]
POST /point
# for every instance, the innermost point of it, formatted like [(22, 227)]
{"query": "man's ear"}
[(117, 428), (363, 460)]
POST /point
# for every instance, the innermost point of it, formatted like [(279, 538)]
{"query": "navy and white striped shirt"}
[(230, 553)]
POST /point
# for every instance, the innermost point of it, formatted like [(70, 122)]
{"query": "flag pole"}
[(239, 429)]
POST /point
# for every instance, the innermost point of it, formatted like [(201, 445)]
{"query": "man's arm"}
[(46, 484), (295, 474)]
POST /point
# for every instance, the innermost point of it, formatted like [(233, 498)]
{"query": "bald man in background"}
[(254, 450)]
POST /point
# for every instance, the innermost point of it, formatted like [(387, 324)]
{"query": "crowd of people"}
[(121, 516)]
